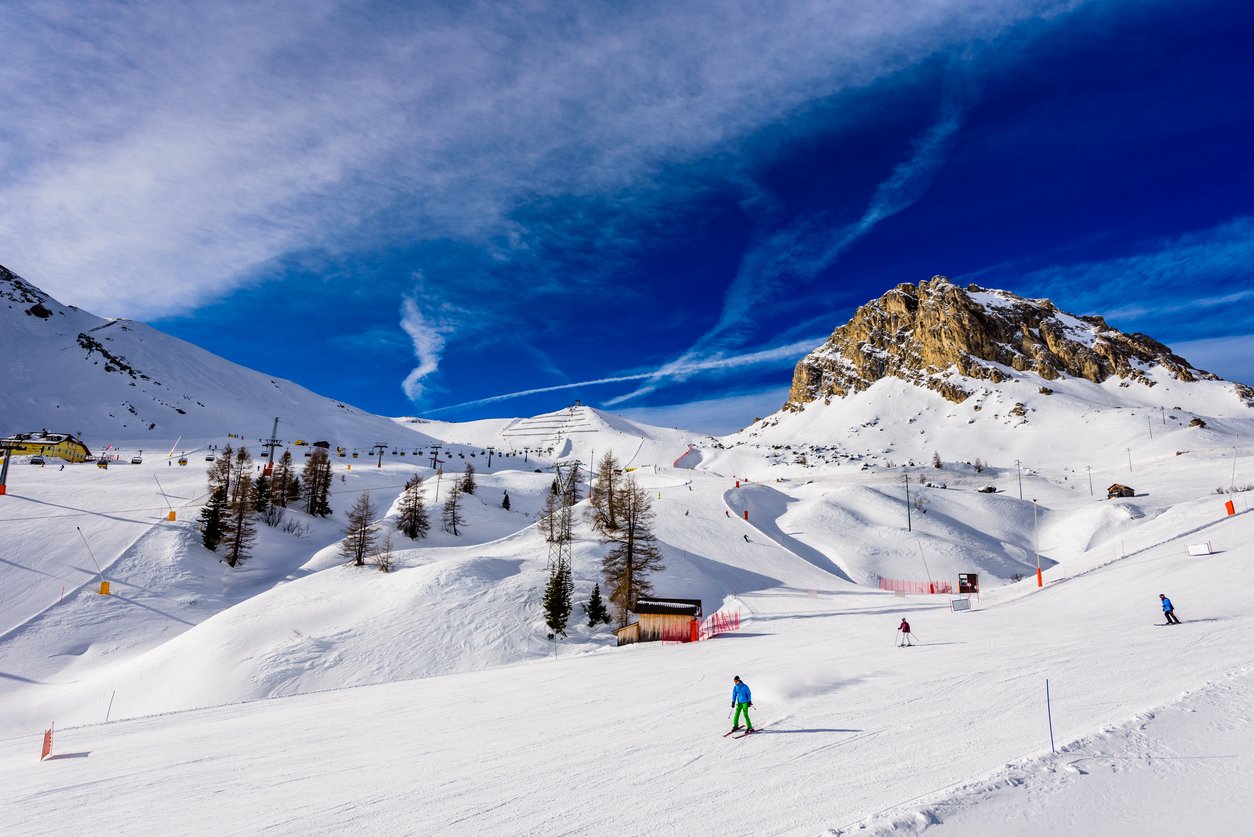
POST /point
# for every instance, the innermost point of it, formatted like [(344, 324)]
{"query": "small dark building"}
[(1118, 490), (673, 620)]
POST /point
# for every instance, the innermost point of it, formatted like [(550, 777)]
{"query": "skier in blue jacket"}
[(741, 701), (1168, 610)]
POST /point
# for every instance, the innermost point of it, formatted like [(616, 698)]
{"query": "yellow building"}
[(61, 445)]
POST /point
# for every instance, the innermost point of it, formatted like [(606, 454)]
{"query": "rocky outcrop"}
[(936, 335)]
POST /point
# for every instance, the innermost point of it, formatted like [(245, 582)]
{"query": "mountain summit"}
[(942, 337)]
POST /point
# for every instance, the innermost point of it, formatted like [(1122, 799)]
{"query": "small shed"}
[(1118, 490), (673, 620)]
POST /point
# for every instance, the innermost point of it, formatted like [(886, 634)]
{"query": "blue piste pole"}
[(1050, 715)]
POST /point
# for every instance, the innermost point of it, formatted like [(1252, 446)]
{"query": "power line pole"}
[(1019, 471), (1089, 468), (1129, 452), (271, 443), (909, 527), (379, 448), (435, 455)]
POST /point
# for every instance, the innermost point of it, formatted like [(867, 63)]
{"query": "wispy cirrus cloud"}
[(428, 342), (800, 251), (158, 155), (1144, 289), (773, 355)]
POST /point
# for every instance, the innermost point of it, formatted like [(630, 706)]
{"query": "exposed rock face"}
[(933, 334)]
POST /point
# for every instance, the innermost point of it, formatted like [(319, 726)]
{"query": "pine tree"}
[(547, 524), (239, 530), (261, 494), (595, 609), (412, 520), (605, 497), (283, 483), (505, 502), (219, 472), (211, 518), (936, 460), (360, 532), (572, 491), (626, 567), (451, 516), (317, 483), (557, 604), (468, 479)]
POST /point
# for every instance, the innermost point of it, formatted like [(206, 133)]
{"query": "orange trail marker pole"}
[(47, 748)]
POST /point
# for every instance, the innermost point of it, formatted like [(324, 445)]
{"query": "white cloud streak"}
[(800, 252), (762, 356), (156, 155), (428, 341)]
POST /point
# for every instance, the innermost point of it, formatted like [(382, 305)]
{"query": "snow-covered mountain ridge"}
[(118, 380), (936, 334)]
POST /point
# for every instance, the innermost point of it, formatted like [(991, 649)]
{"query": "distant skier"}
[(746, 538), (904, 627), (741, 701), (1168, 610), (726, 513)]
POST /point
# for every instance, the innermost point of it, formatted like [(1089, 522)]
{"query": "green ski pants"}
[(742, 707)]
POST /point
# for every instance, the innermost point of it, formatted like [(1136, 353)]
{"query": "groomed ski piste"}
[(300, 695)]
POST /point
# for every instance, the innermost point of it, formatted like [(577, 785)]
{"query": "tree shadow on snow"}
[(153, 609), (81, 755)]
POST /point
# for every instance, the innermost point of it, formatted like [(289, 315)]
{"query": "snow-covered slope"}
[(123, 382), (325, 676)]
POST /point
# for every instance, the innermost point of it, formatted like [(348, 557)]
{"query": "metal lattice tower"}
[(560, 546)]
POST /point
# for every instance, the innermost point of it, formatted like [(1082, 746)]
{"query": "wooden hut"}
[(674, 620), (1118, 490)]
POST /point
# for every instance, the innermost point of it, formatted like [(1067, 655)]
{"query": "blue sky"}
[(429, 208)]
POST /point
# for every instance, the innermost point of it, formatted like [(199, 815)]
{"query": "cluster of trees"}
[(237, 499), (622, 516)]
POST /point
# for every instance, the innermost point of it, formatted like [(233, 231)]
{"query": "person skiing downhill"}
[(1168, 610), (741, 701), (904, 627)]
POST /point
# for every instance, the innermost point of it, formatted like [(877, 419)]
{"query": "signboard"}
[(1200, 549), (959, 604)]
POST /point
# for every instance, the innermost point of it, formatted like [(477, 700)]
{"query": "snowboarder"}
[(746, 538), (741, 701), (1168, 610), (904, 627)]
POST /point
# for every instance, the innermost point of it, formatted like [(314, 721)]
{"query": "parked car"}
[(36, 460)]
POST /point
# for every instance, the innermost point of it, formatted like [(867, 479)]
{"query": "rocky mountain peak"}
[(17, 292), (940, 336)]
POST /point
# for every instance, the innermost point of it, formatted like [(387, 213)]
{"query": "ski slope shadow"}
[(719, 577), (765, 506)]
